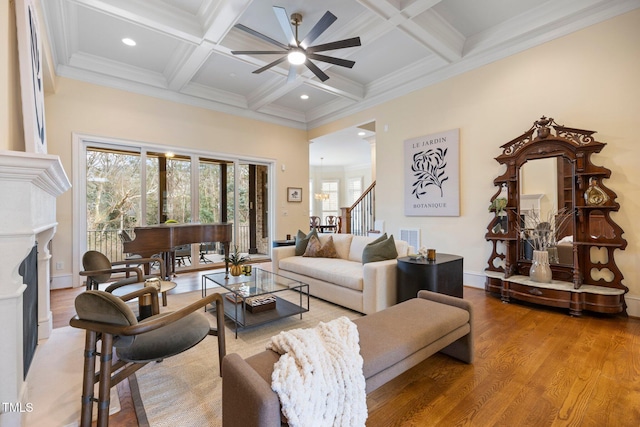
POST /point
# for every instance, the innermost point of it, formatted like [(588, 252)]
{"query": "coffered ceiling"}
[(183, 50)]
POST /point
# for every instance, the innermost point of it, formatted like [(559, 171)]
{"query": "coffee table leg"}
[(164, 299)]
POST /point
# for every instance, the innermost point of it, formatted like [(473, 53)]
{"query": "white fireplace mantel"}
[(29, 186)]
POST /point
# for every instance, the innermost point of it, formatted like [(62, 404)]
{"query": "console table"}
[(444, 275)]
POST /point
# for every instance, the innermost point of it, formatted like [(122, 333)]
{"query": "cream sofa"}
[(365, 288)]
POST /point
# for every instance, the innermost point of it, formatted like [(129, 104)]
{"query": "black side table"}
[(444, 275), (278, 243)]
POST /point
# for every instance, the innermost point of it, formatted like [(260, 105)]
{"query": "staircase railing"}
[(359, 218)]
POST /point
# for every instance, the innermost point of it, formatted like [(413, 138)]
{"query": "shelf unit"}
[(593, 282)]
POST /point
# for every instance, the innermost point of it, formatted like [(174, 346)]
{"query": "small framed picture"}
[(294, 194)]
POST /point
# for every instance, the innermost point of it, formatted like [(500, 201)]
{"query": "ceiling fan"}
[(300, 52)]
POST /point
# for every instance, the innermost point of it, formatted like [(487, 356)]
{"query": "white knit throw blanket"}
[(319, 377)]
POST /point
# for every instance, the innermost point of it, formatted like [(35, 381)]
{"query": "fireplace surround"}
[(29, 186)]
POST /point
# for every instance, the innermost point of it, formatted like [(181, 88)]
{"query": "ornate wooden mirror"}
[(552, 188)]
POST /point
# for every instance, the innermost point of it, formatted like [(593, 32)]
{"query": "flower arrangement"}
[(543, 235)]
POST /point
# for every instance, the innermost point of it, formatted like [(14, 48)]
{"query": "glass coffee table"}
[(260, 297)]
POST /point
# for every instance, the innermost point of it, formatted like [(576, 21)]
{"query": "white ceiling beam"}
[(419, 22), (218, 19)]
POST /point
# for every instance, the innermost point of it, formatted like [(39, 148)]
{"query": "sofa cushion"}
[(390, 335), (341, 241), (315, 249), (338, 271), (302, 240), (380, 249)]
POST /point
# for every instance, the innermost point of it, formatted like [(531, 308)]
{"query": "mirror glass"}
[(545, 208)]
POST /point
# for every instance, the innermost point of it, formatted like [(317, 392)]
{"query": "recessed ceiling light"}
[(128, 41), (361, 133), (304, 96)]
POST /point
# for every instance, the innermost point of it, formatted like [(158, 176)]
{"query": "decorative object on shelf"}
[(236, 260), (594, 195), (579, 207), (294, 194), (498, 206), (261, 303), (540, 270), (431, 254)]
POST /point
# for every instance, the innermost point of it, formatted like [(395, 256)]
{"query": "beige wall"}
[(588, 79), (11, 131), (95, 110)]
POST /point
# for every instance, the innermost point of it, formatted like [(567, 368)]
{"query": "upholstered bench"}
[(391, 341)]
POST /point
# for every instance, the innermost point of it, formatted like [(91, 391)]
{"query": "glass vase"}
[(540, 270)]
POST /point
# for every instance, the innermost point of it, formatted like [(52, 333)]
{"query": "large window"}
[(330, 205), (125, 187)]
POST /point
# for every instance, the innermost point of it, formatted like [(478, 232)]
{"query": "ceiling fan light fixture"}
[(296, 57)]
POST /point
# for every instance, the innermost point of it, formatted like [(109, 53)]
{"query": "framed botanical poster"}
[(432, 175), (294, 194), (31, 82)]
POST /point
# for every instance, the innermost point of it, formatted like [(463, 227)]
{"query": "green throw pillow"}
[(380, 250), (302, 240)]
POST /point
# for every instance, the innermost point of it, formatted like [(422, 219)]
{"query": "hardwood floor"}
[(533, 367)]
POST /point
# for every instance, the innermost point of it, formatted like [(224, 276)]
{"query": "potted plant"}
[(235, 261), (498, 205)]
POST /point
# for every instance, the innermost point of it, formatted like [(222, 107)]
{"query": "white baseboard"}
[(633, 305), (62, 282), (475, 279)]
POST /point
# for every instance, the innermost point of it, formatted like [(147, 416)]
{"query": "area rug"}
[(185, 390)]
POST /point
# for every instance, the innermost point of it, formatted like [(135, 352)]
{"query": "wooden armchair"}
[(98, 269), (108, 318)]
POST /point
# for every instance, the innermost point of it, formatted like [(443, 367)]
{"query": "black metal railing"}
[(109, 242)]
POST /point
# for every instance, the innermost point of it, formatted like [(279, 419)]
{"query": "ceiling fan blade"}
[(259, 52), (315, 70), (283, 20), (272, 64), (352, 42), (293, 72), (331, 60), (261, 36), (325, 22)]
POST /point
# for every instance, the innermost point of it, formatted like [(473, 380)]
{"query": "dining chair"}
[(314, 222)]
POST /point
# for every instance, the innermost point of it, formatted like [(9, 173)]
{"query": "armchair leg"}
[(104, 388), (88, 380), (219, 332)]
